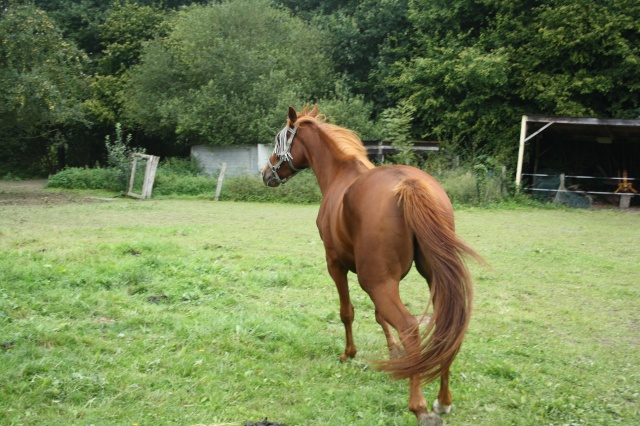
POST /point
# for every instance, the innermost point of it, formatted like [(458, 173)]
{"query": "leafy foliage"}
[(477, 66), (127, 27), (397, 128), (181, 71), (343, 108), (42, 86), (85, 178), (119, 152), (227, 73)]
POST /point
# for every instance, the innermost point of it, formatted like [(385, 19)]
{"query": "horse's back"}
[(376, 190)]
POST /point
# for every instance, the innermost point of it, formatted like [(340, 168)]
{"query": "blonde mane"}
[(345, 143)]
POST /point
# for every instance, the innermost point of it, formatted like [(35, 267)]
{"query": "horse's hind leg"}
[(339, 276), (442, 405), (395, 349), (389, 308)]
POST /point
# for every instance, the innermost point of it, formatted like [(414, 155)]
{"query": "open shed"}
[(594, 157)]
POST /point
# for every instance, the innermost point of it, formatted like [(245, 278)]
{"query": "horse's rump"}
[(428, 213)]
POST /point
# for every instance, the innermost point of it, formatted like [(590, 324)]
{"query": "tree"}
[(478, 65), (82, 20), (583, 59), (343, 108), (127, 27), (397, 129), (78, 20), (226, 72), (364, 36), (42, 87)]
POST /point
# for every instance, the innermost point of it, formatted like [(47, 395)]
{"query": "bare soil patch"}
[(33, 192)]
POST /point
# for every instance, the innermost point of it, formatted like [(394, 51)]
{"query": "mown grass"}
[(196, 312)]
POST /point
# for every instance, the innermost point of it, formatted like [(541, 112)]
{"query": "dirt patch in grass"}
[(33, 192)]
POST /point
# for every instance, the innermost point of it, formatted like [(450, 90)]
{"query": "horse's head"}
[(287, 158)]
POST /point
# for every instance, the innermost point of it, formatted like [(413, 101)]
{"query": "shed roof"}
[(586, 129)]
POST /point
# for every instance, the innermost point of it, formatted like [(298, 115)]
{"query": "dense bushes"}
[(179, 177), (303, 189), (85, 178)]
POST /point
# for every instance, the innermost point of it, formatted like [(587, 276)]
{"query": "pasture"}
[(192, 312)]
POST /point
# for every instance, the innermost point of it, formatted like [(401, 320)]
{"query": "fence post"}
[(223, 168)]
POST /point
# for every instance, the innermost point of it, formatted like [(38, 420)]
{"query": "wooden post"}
[(223, 168), (561, 190), (134, 164), (149, 176), (523, 136), (625, 201)]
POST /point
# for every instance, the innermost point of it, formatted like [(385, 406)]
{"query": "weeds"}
[(179, 177)]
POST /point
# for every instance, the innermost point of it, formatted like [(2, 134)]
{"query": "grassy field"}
[(159, 312)]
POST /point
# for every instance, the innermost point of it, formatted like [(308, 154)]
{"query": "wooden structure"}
[(595, 154), (151, 164), (378, 150)]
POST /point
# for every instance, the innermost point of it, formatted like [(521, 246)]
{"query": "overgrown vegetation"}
[(180, 177), (195, 312)]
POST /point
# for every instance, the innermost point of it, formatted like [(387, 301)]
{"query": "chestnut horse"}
[(375, 222)]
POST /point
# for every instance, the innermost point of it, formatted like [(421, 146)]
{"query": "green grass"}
[(196, 312)]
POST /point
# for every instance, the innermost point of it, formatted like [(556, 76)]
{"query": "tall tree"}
[(82, 20), (42, 87), (480, 64), (364, 35), (79, 20), (226, 73), (127, 27)]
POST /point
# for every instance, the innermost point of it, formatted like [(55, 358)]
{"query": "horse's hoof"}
[(441, 409), (430, 419), (346, 355)]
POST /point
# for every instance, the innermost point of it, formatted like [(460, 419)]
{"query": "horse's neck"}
[(334, 175)]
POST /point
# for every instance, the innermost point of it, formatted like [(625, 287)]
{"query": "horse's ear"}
[(314, 111), (293, 116)]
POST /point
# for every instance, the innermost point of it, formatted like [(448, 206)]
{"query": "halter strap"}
[(283, 143), (284, 140)]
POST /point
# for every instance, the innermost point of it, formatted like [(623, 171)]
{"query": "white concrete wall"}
[(248, 159)]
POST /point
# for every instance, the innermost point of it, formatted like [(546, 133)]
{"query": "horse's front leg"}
[(339, 275)]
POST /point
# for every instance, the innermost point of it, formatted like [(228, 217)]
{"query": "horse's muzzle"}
[(269, 178)]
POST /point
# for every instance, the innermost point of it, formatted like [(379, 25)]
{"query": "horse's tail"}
[(428, 214)]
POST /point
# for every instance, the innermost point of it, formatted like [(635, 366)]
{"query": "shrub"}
[(180, 166), (84, 178), (302, 189), (460, 185), (169, 183), (472, 186), (119, 156), (182, 177)]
